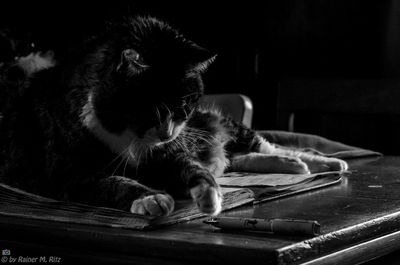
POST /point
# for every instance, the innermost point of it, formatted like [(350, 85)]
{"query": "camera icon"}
[(5, 252)]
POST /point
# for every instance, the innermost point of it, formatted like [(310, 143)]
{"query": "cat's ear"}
[(131, 63), (199, 58)]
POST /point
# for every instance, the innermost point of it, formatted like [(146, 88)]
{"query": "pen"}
[(276, 226)]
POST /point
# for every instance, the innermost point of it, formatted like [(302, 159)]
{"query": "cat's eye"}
[(191, 98), (134, 57), (131, 62)]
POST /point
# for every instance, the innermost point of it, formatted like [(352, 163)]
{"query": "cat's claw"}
[(208, 198), (156, 204)]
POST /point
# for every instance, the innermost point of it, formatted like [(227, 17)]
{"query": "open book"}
[(237, 188), (18, 203)]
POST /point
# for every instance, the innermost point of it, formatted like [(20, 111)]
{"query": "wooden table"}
[(360, 220)]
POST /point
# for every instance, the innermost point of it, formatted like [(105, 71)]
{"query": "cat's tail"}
[(15, 73), (35, 62)]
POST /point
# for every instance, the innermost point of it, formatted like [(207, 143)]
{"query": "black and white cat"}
[(121, 127)]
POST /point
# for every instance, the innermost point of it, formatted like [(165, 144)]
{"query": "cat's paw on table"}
[(267, 163), (293, 165), (338, 164), (327, 164), (207, 198), (155, 204)]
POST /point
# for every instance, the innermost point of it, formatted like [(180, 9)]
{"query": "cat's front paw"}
[(264, 163), (155, 204), (336, 164), (293, 165), (207, 198), (328, 164)]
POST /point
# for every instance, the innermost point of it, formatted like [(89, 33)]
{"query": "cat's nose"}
[(164, 136)]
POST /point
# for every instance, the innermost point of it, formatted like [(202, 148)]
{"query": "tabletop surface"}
[(365, 206)]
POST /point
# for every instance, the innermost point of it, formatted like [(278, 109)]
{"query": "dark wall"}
[(258, 43)]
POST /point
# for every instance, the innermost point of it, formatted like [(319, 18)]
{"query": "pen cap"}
[(295, 227)]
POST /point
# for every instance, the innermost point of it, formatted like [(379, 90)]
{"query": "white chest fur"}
[(121, 144)]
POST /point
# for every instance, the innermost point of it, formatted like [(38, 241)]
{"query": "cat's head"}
[(145, 80)]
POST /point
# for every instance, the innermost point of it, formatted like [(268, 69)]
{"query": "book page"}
[(245, 179)]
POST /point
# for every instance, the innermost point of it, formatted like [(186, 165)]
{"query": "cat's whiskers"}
[(192, 141), (138, 158), (169, 146), (200, 132), (150, 150), (186, 115), (144, 148), (124, 152), (158, 115), (126, 163), (131, 151), (146, 154), (118, 156), (180, 144), (204, 134), (190, 94), (200, 135), (136, 152), (169, 111)]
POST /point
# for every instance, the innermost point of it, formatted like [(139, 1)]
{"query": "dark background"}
[(259, 46)]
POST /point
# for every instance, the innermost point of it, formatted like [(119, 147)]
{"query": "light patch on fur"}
[(155, 205), (208, 199), (223, 136), (218, 161), (315, 163), (35, 62), (217, 166), (177, 129), (211, 108), (120, 144), (266, 147), (200, 67)]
